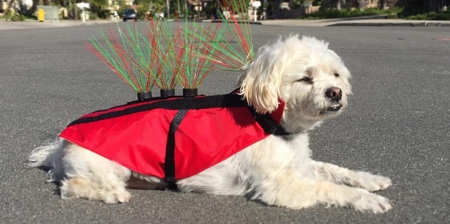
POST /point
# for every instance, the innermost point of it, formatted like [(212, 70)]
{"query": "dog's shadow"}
[(56, 181)]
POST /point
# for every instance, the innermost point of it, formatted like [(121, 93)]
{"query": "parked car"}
[(129, 14)]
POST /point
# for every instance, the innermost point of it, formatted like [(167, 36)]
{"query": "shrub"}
[(334, 13), (93, 16), (443, 16), (412, 13), (18, 17), (14, 16), (430, 16)]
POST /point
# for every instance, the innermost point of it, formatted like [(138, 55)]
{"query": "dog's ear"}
[(262, 81)]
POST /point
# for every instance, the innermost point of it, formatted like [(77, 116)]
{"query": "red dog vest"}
[(173, 138)]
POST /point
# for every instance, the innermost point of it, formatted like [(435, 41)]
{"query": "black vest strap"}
[(228, 100), (268, 124), (169, 165)]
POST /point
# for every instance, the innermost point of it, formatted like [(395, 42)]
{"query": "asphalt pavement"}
[(354, 21), (397, 125)]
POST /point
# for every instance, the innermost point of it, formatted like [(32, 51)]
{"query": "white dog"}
[(312, 81)]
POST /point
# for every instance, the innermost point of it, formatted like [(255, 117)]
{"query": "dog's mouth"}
[(332, 109)]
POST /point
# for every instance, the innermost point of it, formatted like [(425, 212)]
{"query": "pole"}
[(168, 8), (84, 16)]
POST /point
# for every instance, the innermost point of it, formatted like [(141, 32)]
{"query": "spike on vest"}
[(173, 138)]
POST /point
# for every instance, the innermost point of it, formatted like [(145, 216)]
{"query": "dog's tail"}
[(49, 158)]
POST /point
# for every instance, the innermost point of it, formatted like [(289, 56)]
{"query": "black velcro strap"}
[(229, 100), (267, 123), (169, 166)]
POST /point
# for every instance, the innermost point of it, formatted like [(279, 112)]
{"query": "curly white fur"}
[(313, 82)]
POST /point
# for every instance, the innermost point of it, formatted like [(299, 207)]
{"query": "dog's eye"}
[(336, 74), (306, 79)]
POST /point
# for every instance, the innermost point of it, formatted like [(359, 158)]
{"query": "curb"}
[(410, 24), (221, 21)]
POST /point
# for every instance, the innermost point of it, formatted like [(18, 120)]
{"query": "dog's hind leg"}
[(339, 175), (289, 191), (93, 177)]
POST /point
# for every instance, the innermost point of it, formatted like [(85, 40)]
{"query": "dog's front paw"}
[(371, 182), (373, 203), (84, 188), (115, 196)]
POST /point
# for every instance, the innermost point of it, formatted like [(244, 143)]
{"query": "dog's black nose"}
[(334, 93)]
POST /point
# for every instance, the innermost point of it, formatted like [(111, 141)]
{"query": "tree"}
[(9, 6), (99, 7), (435, 5), (22, 10)]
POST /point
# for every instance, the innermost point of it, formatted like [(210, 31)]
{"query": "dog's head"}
[(310, 78)]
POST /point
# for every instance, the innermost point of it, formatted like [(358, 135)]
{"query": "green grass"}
[(392, 13), (430, 16), (347, 13), (17, 17)]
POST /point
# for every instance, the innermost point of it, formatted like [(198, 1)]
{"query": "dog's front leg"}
[(339, 175), (289, 191)]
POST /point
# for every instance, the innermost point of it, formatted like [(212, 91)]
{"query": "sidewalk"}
[(33, 24)]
